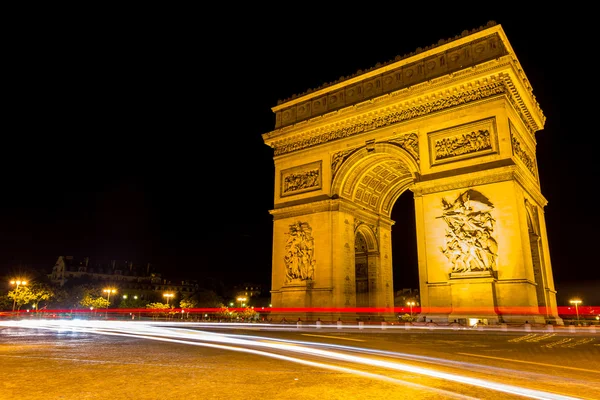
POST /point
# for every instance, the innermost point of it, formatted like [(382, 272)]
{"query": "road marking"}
[(333, 337), (526, 337), (531, 362), (560, 342)]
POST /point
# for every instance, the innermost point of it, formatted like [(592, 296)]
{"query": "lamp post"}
[(410, 304), (168, 296), (242, 301), (108, 292), (17, 283), (577, 303)]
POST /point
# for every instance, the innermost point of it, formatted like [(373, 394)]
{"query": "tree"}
[(407, 318), (131, 302), (226, 314), (94, 301), (70, 296), (249, 314), (206, 299), (5, 302), (20, 296), (160, 309), (40, 292), (187, 303), (87, 295)]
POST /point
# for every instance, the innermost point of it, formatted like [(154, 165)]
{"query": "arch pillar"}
[(327, 286), (506, 281)]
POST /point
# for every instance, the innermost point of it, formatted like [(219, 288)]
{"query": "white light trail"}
[(158, 331)]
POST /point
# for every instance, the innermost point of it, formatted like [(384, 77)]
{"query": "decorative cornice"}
[(472, 180), (383, 120), (333, 204), (306, 208)]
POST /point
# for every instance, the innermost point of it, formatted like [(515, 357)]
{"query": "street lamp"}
[(577, 303), (17, 283), (242, 301), (108, 292), (168, 296), (411, 304)]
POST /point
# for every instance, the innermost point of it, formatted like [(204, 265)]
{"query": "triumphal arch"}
[(453, 123)]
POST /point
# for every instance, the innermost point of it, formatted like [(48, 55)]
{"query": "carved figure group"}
[(305, 180), (463, 144), (299, 248), (469, 242)]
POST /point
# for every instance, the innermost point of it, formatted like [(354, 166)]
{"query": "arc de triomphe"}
[(453, 123)]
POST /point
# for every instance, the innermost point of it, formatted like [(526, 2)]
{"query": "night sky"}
[(139, 137)]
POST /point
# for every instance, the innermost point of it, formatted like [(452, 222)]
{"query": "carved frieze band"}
[(484, 91), (304, 178), (507, 174), (519, 151), (410, 143), (464, 141), (436, 187)]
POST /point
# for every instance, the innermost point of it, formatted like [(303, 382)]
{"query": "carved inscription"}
[(299, 249), (469, 242)]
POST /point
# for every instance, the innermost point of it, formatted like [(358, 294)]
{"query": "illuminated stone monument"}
[(455, 124)]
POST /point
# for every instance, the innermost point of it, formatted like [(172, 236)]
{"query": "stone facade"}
[(455, 124)]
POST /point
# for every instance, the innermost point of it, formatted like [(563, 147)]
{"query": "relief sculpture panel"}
[(469, 243), (464, 141), (299, 249), (304, 178)]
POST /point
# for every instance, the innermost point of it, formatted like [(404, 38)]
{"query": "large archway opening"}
[(404, 249), (361, 270)]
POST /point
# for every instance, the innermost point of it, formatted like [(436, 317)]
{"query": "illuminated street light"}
[(577, 303), (17, 283), (168, 296), (108, 292), (411, 304), (242, 301)]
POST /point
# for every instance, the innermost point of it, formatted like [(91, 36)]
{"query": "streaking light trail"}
[(182, 334)]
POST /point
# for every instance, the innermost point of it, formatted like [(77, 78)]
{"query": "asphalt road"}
[(263, 362)]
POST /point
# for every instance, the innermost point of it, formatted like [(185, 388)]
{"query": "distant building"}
[(68, 268), (249, 289), (127, 276), (255, 294), (401, 297)]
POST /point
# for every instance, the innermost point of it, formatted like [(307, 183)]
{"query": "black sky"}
[(138, 136)]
